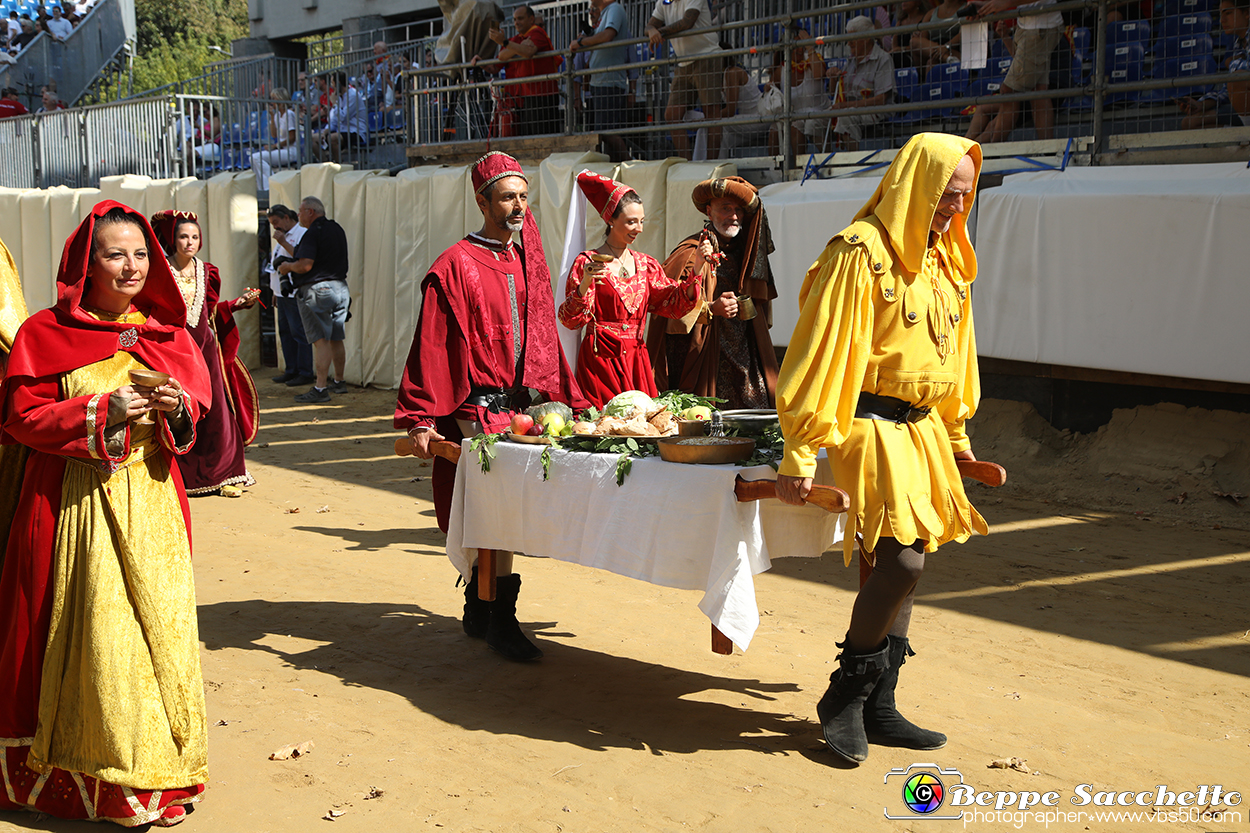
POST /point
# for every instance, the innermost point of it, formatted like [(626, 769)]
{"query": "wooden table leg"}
[(486, 575), (721, 644)]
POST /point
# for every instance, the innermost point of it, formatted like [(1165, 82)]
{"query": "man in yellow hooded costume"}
[(882, 372)]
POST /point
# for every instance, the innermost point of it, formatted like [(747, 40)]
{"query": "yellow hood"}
[(12, 305), (908, 196)]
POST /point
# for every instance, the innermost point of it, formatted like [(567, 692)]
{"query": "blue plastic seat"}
[(1184, 46), (375, 122), (1128, 31), (1186, 24), (1176, 68), (1174, 7), (952, 78), (907, 88), (1125, 64)]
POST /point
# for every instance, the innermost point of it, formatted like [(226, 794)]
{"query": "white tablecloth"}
[(669, 524)]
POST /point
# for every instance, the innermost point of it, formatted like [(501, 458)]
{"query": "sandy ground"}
[(1100, 633)]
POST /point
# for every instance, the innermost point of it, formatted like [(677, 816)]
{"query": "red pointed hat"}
[(604, 194), (493, 167)]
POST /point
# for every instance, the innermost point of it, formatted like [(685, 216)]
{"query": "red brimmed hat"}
[(603, 193), (165, 223), (493, 167)]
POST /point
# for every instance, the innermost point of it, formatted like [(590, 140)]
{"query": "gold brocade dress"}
[(122, 692)]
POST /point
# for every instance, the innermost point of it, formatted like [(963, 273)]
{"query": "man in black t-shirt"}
[(319, 273)]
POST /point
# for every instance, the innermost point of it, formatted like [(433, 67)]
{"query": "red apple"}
[(522, 423), (536, 430)]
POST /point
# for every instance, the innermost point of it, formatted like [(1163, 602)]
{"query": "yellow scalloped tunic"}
[(869, 323)]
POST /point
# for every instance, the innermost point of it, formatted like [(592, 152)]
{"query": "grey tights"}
[(885, 600)]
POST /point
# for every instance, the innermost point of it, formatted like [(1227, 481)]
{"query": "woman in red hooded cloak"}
[(101, 695)]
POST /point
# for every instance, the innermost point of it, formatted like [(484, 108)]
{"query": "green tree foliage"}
[(174, 36)]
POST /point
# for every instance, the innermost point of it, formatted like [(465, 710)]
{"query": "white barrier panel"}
[(802, 219), (349, 206), (65, 209), (1138, 269), (231, 231), (650, 181), (317, 180), (11, 230), (38, 267), (381, 341), (130, 190), (683, 219), (555, 187)]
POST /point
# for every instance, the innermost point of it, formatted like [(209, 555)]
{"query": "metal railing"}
[(73, 65), (1093, 90), (77, 147)]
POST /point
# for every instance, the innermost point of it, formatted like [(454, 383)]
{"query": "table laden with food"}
[(596, 491)]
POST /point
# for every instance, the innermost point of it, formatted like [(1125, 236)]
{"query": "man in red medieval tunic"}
[(486, 337)]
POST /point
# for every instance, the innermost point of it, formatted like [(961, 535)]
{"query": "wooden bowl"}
[(709, 451), (692, 427), (541, 439)]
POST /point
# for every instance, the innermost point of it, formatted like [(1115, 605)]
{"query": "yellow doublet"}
[(122, 697), (870, 323)]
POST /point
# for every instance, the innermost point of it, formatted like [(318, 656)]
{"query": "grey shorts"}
[(1030, 66), (323, 309)]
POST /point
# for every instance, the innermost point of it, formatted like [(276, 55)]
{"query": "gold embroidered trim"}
[(92, 406)]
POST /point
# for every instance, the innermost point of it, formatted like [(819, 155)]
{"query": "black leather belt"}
[(495, 400), (871, 406)]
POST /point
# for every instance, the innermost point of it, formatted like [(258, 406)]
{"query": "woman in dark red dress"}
[(609, 292), (216, 464)]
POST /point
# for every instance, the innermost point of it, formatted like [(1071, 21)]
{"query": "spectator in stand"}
[(937, 46), (29, 32), (9, 105), (868, 82), (208, 134), (908, 13), (379, 54), (284, 149), (1228, 104), (1035, 39), (537, 103), (348, 124), (374, 88), (697, 77), (14, 29), (742, 98), (609, 91), (807, 94), (50, 103)]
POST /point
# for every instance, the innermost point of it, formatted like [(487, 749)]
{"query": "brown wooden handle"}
[(829, 498), (442, 448), (991, 474)]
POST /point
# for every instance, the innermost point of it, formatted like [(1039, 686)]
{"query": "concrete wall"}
[(280, 19)]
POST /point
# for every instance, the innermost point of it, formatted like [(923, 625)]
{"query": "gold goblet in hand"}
[(150, 379)]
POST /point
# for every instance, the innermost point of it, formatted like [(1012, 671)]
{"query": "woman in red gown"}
[(216, 465), (609, 292), (101, 696)]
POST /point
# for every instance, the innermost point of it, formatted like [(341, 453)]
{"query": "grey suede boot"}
[(841, 710), (881, 718), (476, 611), (503, 634)]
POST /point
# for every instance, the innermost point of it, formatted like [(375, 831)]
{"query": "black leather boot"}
[(476, 611), (503, 634), (881, 718), (841, 710)]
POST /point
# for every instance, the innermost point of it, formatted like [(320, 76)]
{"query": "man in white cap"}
[(868, 82)]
